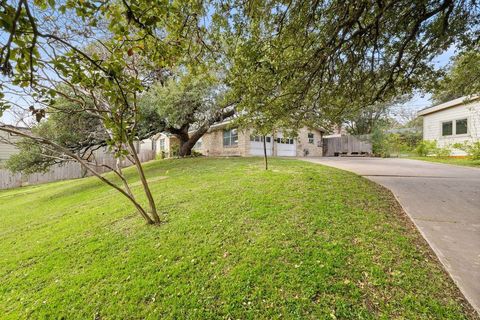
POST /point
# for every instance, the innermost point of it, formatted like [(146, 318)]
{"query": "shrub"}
[(409, 140), (175, 151), (471, 148), (196, 154), (426, 147), (379, 147), (443, 152), (161, 155)]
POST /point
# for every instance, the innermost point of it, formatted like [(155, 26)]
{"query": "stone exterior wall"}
[(212, 144), (306, 149)]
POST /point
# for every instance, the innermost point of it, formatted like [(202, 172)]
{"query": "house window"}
[(162, 144), (461, 126), (260, 139), (447, 128), (310, 138), (230, 138), (285, 140)]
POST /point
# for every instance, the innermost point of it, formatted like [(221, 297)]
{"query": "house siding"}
[(432, 125), (7, 150), (171, 145)]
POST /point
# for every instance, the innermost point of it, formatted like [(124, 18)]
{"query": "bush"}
[(379, 147), (161, 155), (471, 148), (444, 152), (409, 140), (387, 144), (196, 154), (426, 147), (175, 151)]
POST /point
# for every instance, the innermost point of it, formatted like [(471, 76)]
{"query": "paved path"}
[(444, 203)]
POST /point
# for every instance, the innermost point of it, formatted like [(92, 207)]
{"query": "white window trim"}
[(231, 145), (454, 128)]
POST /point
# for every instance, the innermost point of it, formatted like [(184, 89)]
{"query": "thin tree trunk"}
[(85, 165), (122, 177), (265, 152), (143, 179), (119, 173)]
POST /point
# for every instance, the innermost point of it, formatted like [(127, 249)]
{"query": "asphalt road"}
[(442, 200)]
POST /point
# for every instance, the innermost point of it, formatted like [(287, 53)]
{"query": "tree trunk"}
[(146, 188), (186, 148), (119, 172), (127, 193), (187, 142), (265, 152)]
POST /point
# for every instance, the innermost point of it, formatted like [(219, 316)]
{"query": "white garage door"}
[(256, 146), (286, 147)]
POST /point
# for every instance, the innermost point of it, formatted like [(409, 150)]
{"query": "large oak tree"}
[(286, 62)]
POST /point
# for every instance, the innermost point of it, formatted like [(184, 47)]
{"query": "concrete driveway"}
[(444, 203)]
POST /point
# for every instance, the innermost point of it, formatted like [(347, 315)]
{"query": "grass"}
[(300, 241), (455, 161)]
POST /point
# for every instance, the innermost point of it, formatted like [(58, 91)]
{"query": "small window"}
[(268, 139), (256, 138), (162, 144), (310, 138), (447, 128), (230, 137), (461, 126)]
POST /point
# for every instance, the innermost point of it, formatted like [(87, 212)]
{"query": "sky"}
[(418, 101)]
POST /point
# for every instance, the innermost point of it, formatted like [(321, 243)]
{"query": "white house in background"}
[(453, 122), (6, 148)]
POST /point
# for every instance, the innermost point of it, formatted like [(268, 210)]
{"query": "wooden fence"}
[(71, 170), (347, 146)]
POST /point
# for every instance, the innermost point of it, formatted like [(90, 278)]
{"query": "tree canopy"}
[(99, 55), (283, 64), (462, 79), (299, 60), (187, 105)]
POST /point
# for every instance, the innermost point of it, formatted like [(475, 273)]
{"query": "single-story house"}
[(223, 140), (164, 144), (455, 121)]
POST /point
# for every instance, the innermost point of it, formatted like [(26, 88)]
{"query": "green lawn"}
[(300, 241), (456, 161)]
